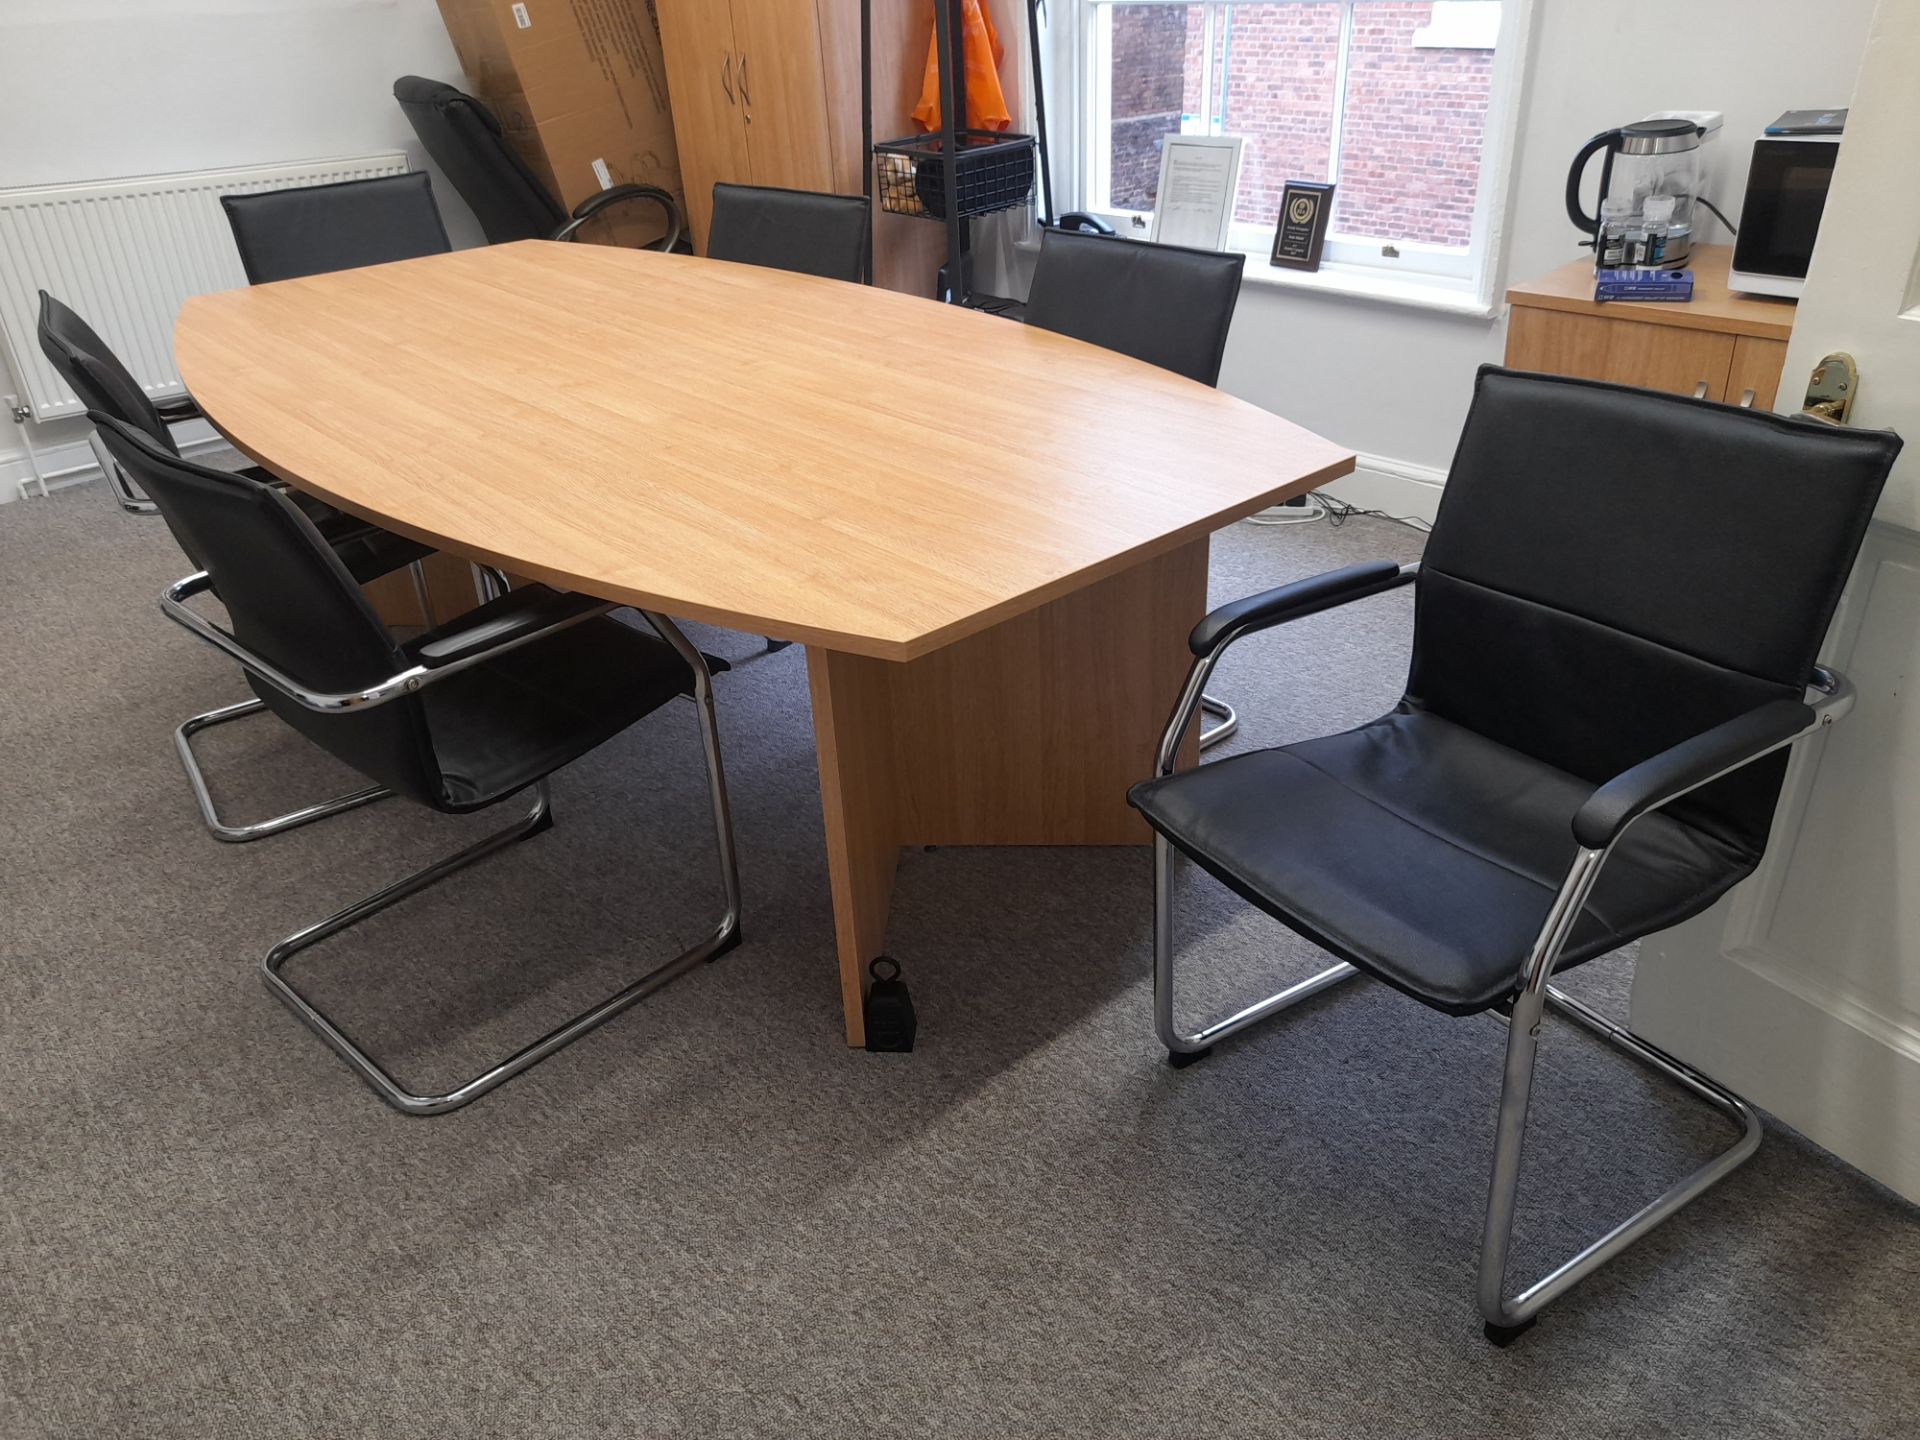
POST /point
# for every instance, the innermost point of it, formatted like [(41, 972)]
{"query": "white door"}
[(1802, 990)]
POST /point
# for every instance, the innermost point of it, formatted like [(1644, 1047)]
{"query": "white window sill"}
[(1358, 282), (1363, 282)]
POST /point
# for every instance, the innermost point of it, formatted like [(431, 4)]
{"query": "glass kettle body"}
[(1648, 159)]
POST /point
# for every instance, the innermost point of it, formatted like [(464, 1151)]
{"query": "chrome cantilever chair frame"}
[(1228, 717), (724, 937), (118, 485), (260, 829), (489, 583), (606, 199), (1506, 1317)]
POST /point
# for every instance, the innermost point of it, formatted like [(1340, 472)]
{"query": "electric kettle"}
[(1655, 158)]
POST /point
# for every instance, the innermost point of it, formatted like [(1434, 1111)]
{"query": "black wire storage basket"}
[(995, 172)]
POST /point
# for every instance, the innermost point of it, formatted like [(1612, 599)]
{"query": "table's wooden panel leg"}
[(396, 599), (852, 727), (1025, 734), (1031, 733)]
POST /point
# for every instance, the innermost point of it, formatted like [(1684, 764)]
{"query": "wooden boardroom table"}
[(991, 540)]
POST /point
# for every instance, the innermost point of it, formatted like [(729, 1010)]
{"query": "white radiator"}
[(124, 254)]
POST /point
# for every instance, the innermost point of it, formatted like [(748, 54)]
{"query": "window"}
[(1401, 103)]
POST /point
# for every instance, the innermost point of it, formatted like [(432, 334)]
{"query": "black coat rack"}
[(955, 174)]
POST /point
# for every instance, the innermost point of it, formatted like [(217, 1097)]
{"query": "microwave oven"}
[(1787, 188)]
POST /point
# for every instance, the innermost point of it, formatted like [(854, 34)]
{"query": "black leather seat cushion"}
[(1427, 855), (505, 723)]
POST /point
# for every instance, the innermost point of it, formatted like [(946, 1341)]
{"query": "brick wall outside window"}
[(1410, 143)]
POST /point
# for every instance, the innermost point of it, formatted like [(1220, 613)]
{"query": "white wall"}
[(92, 89), (1393, 382)]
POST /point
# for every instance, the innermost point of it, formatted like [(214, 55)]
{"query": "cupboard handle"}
[(726, 77), (745, 98), (1700, 391), (1747, 397)]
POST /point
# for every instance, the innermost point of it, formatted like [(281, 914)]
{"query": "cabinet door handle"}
[(1700, 391), (1747, 397), (726, 77), (745, 98)]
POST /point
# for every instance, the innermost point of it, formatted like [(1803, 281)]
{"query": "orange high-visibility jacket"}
[(986, 104)]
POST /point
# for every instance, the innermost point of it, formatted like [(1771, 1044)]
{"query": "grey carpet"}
[(710, 1218)]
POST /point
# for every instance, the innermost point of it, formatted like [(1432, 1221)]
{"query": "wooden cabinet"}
[(783, 92), (710, 128), (767, 92), (1755, 371), (1720, 346), (749, 96), (1688, 362)]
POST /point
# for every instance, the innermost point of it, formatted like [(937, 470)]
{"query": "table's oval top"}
[(797, 457)]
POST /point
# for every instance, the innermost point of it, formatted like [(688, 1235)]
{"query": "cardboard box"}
[(580, 89)]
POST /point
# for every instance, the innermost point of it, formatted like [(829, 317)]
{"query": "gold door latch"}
[(1830, 391)]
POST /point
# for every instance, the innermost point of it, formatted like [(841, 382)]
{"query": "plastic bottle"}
[(1658, 223), (1636, 243), (1612, 249)]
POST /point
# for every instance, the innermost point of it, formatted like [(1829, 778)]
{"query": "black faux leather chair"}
[(1165, 304), (798, 230), (1617, 619), (464, 717), (314, 229), (465, 141), (105, 386), (95, 374)]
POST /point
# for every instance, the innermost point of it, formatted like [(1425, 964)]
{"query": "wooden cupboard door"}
[(1756, 371), (709, 119), (783, 88), (1628, 352)]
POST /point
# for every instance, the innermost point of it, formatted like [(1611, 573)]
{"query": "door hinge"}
[(1831, 388)]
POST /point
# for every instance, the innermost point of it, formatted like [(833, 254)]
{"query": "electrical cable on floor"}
[(1335, 512), (1339, 512)]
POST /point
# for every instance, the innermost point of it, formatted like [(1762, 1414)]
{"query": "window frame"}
[(1432, 276)]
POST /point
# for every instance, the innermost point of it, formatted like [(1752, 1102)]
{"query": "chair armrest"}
[(178, 408), (1689, 765), (492, 630), (594, 204), (1291, 602), (517, 615)]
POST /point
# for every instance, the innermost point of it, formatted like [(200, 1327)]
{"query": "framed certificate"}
[(1199, 178), (1305, 208)]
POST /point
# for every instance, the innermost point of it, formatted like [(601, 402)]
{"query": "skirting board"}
[(1398, 487), (75, 458)]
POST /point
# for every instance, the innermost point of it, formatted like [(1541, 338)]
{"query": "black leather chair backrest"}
[(94, 373), (465, 141), (291, 602), (1164, 304), (310, 230), (798, 230), (1614, 570)]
